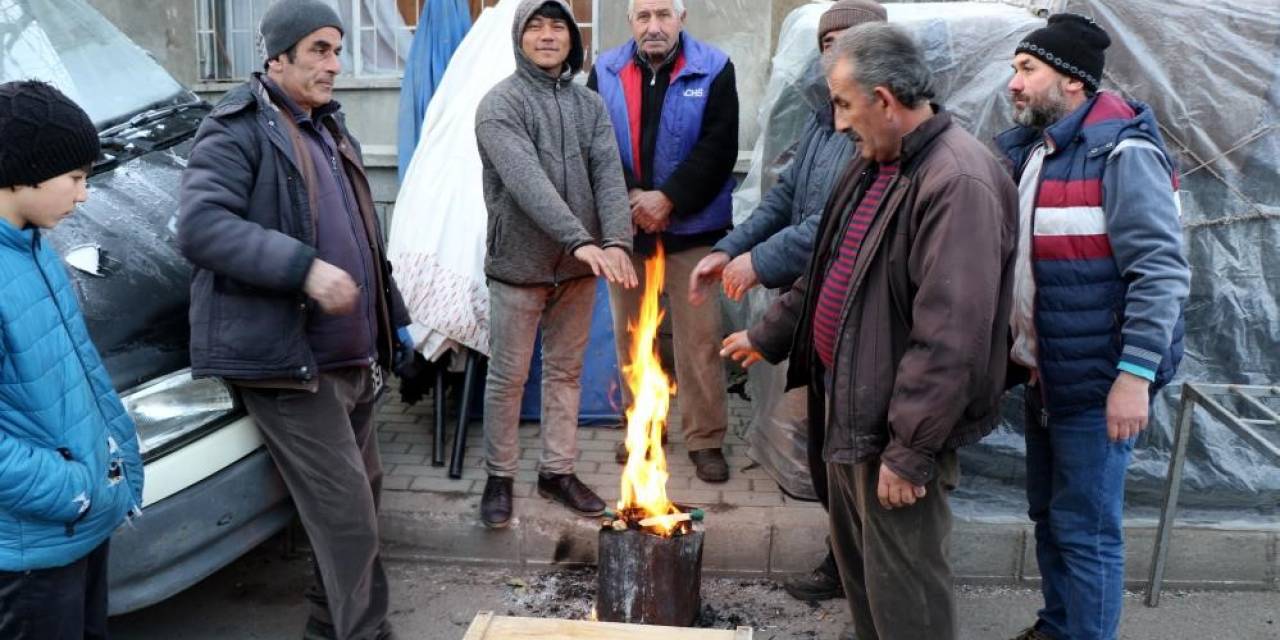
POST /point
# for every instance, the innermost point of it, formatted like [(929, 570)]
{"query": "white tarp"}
[(437, 243)]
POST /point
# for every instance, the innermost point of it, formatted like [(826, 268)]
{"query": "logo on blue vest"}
[(694, 93)]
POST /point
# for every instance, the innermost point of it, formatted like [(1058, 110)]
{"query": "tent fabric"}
[(1212, 74), (437, 235), (441, 28)]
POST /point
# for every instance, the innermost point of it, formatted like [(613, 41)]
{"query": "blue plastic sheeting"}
[(601, 386), (441, 27)]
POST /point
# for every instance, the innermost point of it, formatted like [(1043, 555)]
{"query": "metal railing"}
[(227, 47), (1248, 411)]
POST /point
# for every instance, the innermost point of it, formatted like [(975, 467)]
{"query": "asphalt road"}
[(259, 598)]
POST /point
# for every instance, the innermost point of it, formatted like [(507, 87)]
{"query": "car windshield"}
[(70, 45)]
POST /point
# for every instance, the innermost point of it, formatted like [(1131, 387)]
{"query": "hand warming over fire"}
[(738, 347), (739, 277), (705, 274), (894, 491), (612, 263)]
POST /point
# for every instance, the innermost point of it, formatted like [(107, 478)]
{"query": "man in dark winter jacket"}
[(293, 302), (1097, 310), (674, 107), (772, 247), (899, 328), (557, 217)]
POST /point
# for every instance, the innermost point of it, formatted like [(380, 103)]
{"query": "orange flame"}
[(644, 479)]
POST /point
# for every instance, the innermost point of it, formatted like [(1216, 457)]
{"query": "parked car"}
[(212, 493)]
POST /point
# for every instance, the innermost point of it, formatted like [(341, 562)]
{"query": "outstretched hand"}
[(739, 277), (705, 274), (737, 347)]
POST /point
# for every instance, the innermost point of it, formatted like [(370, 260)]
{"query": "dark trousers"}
[(326, 449), (62, 603), (895, 564)]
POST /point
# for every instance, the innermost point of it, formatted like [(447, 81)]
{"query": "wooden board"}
[(487, 626)]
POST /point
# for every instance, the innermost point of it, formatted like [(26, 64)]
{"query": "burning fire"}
[(644, 479)]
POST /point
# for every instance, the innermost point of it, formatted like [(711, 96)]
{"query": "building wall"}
[(165, 28), (746, 29)]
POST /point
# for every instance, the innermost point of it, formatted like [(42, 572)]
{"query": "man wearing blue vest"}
[(1099, 284), (673, 102)]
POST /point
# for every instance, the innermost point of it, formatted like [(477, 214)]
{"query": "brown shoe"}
[(710, 465), (620, 453)]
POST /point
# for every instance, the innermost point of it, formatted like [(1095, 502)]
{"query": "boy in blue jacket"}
[(70, 469)]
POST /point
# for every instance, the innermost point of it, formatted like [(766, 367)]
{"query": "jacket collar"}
[(694, 62), (915, 143), (253, 94), (16, 238), (288, 106), (1104, 108), (667, 62)]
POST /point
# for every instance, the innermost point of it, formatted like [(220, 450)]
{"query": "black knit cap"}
[(43, 134), (287, 22), (1072, 44)]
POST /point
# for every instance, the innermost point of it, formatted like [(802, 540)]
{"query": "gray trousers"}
[(696, 337), (515, 313), (326, 449), (895, 564)]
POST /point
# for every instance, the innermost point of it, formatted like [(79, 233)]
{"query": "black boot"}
[(495, 505), (569, 491), (823, 583)]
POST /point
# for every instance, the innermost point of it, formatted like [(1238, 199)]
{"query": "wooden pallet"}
[(487, 626)]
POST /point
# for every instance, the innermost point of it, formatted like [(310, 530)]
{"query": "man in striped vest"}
[(1099, 284)]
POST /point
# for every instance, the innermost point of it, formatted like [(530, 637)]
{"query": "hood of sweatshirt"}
[(525, 66)]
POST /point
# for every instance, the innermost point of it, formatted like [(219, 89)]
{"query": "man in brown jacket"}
[(899, 328)]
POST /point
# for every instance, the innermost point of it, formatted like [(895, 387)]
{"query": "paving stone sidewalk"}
[(752, 528)]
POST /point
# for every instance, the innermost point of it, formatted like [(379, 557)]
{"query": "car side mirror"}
[(91, 259)]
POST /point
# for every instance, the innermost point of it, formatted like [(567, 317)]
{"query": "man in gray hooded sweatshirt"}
[(558, 217)]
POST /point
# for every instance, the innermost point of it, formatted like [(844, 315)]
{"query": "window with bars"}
[(379, 34), (583, 11)]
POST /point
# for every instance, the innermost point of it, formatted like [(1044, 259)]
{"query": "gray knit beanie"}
[(289, 21)]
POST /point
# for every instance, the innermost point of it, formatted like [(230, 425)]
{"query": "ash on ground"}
[(727, 603)]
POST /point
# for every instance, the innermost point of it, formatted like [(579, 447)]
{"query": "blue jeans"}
[(1075, 488)]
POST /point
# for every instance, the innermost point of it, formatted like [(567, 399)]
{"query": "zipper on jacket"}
[(84, 370), (1035, 300), (564, 174)]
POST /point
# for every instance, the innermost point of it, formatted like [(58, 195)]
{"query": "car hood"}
[(136, 308)]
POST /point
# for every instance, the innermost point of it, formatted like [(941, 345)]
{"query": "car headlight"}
[(176, 409)]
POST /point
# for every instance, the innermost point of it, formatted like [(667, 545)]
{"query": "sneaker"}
[(1032, 633), (495, 505), (823, 583), (569, 491), (710, 465)]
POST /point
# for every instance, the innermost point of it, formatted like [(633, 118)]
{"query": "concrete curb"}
[(777, 541)]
